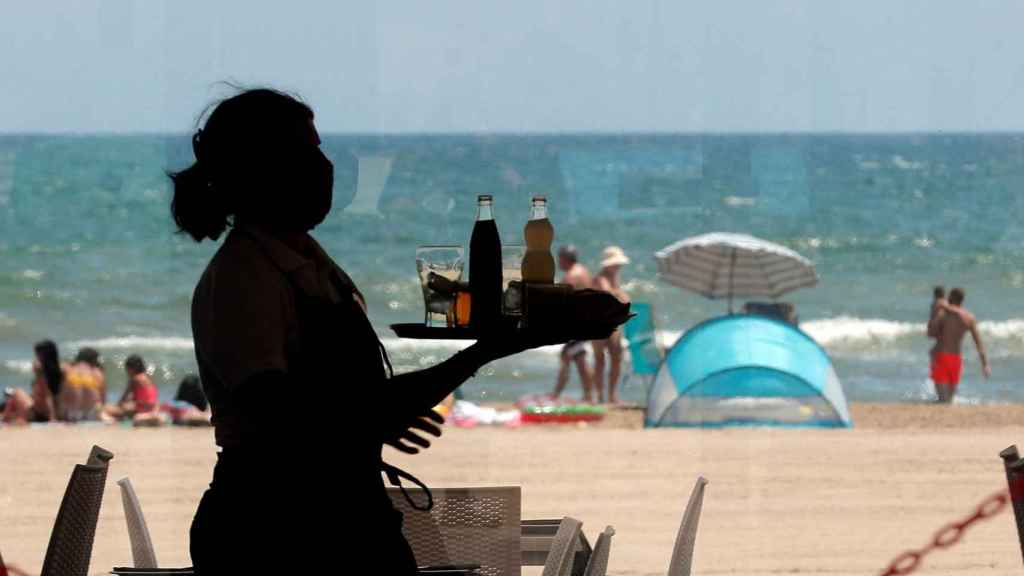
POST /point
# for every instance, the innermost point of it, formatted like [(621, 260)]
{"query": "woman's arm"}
[(101, 384), (424, 389), (127, 390), (258, 402)]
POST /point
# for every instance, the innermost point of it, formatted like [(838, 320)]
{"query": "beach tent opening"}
[(746, 370)]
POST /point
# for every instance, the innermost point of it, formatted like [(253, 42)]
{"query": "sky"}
[(524, 66)]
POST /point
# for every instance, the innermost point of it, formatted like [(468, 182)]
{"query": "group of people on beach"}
[(608, 352), (76, 391)]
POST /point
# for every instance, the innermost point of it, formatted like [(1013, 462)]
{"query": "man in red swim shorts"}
[(948, 326)]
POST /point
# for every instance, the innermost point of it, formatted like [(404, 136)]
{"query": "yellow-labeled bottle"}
[(538, 265)]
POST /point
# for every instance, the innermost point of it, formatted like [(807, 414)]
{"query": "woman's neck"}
[(297, 241)]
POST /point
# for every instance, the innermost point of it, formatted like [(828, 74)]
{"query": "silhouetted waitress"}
[(274, 317)]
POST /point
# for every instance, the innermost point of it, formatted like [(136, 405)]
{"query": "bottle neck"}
[(484, 211), (538, 211)]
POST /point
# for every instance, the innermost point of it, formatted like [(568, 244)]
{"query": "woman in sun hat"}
[(612, 261)]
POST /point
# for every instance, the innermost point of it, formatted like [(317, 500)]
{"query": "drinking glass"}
[(447, 262), (512, 271)]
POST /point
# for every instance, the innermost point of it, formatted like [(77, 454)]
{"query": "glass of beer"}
[(446, 262)]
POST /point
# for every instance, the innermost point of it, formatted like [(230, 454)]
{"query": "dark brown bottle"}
[(485, 268)]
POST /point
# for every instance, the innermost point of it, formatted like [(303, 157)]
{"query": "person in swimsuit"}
[(139, 400), (42, 404), (948, 327), (575, 352), (274, 314), (607, 280), (190, 406), (84, 392)]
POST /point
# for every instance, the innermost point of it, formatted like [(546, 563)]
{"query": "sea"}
[(89, 255)]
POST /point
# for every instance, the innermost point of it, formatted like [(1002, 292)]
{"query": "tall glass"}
[(446, 262), (512, 271)]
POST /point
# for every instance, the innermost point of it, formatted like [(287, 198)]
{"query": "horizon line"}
[(604, 133)]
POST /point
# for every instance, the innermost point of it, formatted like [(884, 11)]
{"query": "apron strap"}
[(395, 475)]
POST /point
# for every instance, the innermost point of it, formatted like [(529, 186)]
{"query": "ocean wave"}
[(19, 366), (165, 343), (421, 347), (848, 329), (394, 345), (839, 333), (1005, 329), (637, 286), (852, 331), (830, 332)]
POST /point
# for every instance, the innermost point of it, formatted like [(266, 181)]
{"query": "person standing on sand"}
[(273, 315), (574, 352), (948, 327), (608, 280)]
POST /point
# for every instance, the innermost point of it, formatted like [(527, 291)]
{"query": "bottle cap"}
[(540, 199), (484, 198)]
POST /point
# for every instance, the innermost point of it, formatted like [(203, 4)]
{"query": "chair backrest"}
[(143, 554), (682, 553), (70, 547), (563, 546), (1014, 466), (598, 563), (465, 526), (644, 349), (99, 457)]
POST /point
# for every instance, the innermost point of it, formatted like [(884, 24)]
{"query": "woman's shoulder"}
[(239, 265)]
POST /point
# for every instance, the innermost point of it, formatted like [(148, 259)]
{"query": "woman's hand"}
[(407, 433)]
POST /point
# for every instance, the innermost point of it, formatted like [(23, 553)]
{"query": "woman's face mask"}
[(297, 191), (315, 191)]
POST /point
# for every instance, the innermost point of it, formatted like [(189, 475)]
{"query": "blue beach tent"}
[(746, 370)]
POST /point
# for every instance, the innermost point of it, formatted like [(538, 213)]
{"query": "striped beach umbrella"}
[(723, 265)]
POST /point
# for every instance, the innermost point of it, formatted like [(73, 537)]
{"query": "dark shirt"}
[(246, 321), (261, 307)]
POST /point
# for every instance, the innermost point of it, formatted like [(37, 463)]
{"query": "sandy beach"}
[(779, 501)]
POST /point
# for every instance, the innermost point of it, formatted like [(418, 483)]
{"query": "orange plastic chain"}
[(949, 535)]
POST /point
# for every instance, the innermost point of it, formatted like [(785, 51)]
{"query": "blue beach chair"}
[(644, 350)]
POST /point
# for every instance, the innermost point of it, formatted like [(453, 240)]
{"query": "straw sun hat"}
[(613, 256)]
